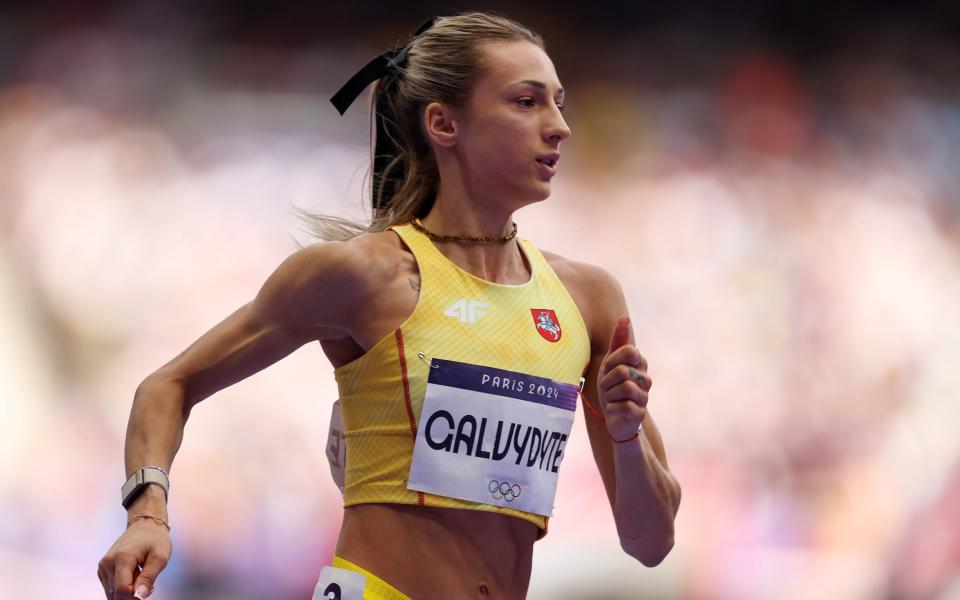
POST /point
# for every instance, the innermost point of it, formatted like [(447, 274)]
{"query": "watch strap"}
[(140, 479)]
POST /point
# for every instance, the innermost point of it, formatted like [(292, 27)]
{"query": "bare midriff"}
[(431, 552)]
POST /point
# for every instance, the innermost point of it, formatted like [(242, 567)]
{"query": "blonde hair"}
[(443, 65)]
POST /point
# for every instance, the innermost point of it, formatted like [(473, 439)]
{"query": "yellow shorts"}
[(376, 588)]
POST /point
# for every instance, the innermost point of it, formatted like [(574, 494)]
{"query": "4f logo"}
[(466, 310)]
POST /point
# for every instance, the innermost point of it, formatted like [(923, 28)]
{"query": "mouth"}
[(550, 160), (546, 170), (548, 164)]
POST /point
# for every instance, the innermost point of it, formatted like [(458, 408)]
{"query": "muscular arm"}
[(306, 298), (644, 496)]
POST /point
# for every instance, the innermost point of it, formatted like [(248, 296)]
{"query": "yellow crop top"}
[(461, 317)]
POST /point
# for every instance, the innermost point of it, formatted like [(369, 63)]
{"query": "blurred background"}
[(777, 188)]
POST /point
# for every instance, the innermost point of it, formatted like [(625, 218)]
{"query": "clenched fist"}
[(623, 385), (130, 568)]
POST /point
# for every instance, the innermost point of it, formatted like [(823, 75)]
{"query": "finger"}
[(123, 573), (628, 354), (625, 408), (622, 373), (147, 580), (628, 390), (618, 344), (621, 333), (105, 571), (104, 580)]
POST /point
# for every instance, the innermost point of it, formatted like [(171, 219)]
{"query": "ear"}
[(441, 124)]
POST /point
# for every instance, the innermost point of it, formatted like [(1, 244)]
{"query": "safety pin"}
[(424, 358)]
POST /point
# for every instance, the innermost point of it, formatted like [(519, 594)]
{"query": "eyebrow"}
[(536, 84)]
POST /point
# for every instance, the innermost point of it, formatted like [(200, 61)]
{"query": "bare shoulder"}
[(383, 243), (381, 255), (312, 295), (580, 275), (596, 291), (361, 260), (317, 285)]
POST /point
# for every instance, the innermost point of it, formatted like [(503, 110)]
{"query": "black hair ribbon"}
[(373, 70), (384, 149)]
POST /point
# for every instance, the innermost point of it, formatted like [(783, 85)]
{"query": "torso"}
[(471, 554)]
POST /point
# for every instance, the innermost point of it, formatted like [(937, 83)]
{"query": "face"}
[(513, 117)]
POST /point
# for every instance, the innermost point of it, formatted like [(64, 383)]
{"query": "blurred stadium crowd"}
[(783, 220)]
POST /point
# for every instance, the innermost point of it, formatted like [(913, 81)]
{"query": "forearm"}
[(154, 434), (646, 501)]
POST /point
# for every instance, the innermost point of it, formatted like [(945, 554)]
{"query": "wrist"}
[(630, 450), (623, 439), (145, 517)]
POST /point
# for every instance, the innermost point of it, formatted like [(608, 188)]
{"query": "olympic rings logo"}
[(503, 489)]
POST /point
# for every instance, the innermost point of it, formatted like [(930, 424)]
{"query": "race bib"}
[(339, 584), (493, 436), (337, 445)]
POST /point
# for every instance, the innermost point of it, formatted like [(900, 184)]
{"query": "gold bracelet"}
[(148, 517)]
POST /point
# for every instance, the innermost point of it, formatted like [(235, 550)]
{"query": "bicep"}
[(303, 300)]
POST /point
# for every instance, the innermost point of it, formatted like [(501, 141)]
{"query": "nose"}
[(557, 130)]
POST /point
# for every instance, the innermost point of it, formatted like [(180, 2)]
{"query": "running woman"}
[(459, 349)]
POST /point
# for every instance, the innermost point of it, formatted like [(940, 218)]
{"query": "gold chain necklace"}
[(446, 238)]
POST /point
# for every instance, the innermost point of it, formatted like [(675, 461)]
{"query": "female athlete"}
[(459, 350)]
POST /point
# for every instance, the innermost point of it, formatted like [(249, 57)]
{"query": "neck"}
[(495, 261), (466, 224), (472, 207)]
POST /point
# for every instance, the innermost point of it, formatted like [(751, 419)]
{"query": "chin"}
[(533, 199), (544, 192), (527, 195)]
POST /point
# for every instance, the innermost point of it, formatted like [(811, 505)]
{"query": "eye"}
[(561, 107)]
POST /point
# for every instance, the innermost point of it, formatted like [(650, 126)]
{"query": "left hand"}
[(623, 384)]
